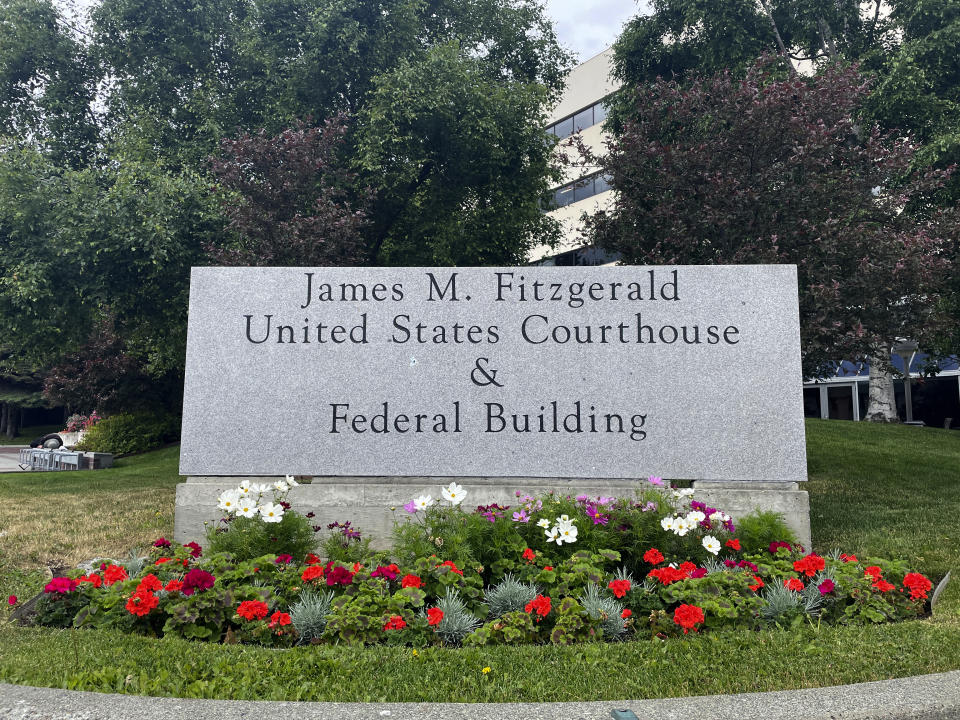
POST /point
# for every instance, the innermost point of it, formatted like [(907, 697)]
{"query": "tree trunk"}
[(882, 405), (4, 409), (13, 418)]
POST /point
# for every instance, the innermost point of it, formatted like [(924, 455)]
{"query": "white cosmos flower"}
[(454, 494), (680, 526), (695, 517), (553, 535), (260, 488), (543, 522), (271, 513), (246, 507), (568, 533), (244, 488), (281, 486), (667, 523), (423, 502), (563, 519), (228, 500), (290, 481), (711, 544), (716, 517)]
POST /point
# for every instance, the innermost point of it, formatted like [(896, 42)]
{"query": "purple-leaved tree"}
[(767, 169)]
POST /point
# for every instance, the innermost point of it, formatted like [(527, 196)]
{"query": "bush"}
[(247, 538), (762, 527), (129, 434)]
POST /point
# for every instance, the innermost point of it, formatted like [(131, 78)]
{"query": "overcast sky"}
[(590, 26)]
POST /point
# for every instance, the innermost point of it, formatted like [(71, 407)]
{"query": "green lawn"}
[(27, 434), (874, 490)]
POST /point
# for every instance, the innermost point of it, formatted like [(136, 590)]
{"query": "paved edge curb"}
[(923, 697)]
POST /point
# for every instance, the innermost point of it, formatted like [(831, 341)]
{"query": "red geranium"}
[(312, 573), (279, 619), (653, 556), (917, 584), (687, 567), (757, 584), (619, 587), (60, 585), (793, 584), (387, 572), (114, 573), (450, 564), (883, 586), (667, 575), (161, 561), (141, 603), (688, 617), (529, 555), (540, 605), (253, 610), (413, 581), (150, 582), (173, 586), (196, 580), (873, 571), (733, 544), (848, 558), (548, 567), (626, 613), (395, 623), (434, 615), (810, 565), (312, 559), (338, 575), (92, 578)]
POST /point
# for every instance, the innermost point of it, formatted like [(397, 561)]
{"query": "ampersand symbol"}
[(483, 376)]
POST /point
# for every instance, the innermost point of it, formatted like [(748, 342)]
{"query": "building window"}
[(588, 117), (580, 190)]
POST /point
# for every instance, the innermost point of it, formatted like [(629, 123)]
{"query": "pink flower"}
[(826, 586), (12, 600)]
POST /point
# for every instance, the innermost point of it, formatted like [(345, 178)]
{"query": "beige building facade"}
[(581, 110)]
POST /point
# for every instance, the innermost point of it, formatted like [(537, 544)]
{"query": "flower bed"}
[(550, 569)]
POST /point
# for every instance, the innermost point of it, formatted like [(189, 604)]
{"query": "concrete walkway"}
[(926, 697), (9, 458)]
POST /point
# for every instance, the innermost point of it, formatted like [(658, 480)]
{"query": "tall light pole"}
[(907, 351)]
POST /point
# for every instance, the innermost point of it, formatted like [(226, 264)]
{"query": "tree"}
[(445, 101), (47, 82), (285, 198), (774, 170)]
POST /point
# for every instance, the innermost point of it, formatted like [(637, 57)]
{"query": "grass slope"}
[(873, 490)]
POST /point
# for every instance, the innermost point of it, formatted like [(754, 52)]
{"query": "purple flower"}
[(195, 550), (521, 517), (410, 507), (310, 515), (605, 500), (653, 480), (698, 573), (284, 558), (161, 543), (596, 516), (729, 563), (649, 507), (826, 586), (581, 498)]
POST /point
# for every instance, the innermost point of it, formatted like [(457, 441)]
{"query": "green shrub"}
[(247, 538), (129, 434), (760, 528)]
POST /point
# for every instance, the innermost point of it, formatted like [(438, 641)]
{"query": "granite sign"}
[(686, 372)]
